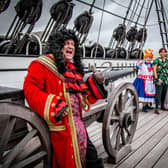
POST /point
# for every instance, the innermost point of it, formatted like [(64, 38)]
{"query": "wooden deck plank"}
[(152, 157), (145, 118), (145, 143), (152, 120), (96, 132), (149, 144), (149, 133), (163, 160), (93, 127)]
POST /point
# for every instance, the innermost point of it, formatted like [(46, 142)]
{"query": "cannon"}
[(24, 136)]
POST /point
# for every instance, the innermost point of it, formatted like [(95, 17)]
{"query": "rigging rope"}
[(127, 12), (90, 10), (101, 21), (106, 11), (111, 43), (149, 7), (164, 24), (133, 13), (148, 12), (140, 12), (152, 25), (128, 7), (164, 13), (119, 4)]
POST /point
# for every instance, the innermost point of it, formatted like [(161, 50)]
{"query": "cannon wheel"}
[(120, 121), (33, 148)]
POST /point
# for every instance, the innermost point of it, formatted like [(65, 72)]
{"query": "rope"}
[(121, 5), (132, 13), (140, 12), (149, 6), (127, 12), (136, 9), (166, 11), (106, 11), (90, 10), (148, 12), (152, 25), (124, 20), (164, 24), (98, 37)]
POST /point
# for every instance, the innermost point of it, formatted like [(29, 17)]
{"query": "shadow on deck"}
[(149, 146)]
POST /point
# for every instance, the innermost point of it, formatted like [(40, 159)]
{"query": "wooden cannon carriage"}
[(24, 136)]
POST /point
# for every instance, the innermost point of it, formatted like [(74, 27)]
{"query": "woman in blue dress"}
[(144, 81)]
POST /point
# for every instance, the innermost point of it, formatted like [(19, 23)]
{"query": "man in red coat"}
[(55, 89)]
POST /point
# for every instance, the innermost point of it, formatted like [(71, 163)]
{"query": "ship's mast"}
[(163, 22)]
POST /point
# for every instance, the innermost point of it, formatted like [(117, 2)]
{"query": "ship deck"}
[(149, 146)]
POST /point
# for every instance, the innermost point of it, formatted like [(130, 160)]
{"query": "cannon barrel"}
[(113, 74)]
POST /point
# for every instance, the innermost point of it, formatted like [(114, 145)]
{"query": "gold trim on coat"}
[(50, 64), (85, 103), (73, 130), (51, 126)]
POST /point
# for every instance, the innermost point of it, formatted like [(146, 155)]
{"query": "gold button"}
[(53, 104), (72, 156), (58, 97), (60, 93), (52, 114), (59, 81)]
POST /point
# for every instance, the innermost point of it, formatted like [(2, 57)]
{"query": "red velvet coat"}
[(43, 87)]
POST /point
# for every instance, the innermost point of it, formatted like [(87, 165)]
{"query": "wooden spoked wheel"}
[(24, 138), (120, 120)]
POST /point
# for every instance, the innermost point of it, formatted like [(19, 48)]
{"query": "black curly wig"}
[(55, 44)]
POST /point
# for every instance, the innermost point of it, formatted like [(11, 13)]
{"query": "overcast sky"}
[(109, 22)]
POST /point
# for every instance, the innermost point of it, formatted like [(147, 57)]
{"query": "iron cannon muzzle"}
[(112, 74), (116, 74)]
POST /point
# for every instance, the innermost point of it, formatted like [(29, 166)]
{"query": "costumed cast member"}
[(144, 81), (160, 69), (54, 88)]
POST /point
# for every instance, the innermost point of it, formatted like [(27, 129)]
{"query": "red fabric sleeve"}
[(91, 99), (95, 91), (36, 96), (34, 88), (94, 88)]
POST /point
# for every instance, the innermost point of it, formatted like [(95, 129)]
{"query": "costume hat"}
[(148, 53)]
